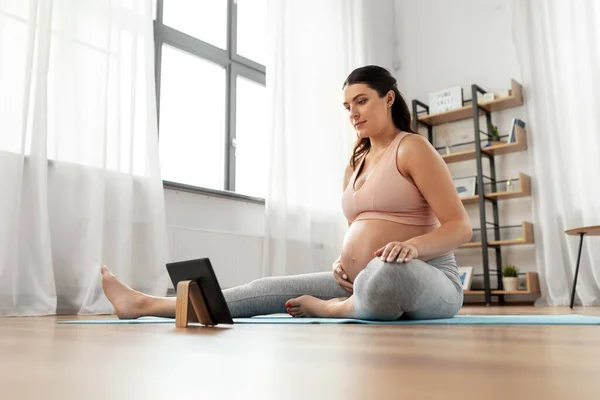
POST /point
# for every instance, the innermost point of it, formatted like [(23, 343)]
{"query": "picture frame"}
[(465, 186), (445, 100), (466, 276)]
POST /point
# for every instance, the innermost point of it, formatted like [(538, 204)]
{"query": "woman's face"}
[(369, 114)]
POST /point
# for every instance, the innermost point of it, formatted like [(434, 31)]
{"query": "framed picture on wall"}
[(445, 100), (466, 274), (465, 186)]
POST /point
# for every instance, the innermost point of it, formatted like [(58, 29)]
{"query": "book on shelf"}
[(515, 121)]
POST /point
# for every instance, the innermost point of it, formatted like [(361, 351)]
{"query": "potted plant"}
[(509, 277), (494, 136)]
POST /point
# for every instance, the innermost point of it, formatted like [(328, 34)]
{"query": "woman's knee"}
[(389, 277), (386, 290)]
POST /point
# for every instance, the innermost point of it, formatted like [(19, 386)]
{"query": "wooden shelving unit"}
[(475, 111), (514, 100), (532, 287), (524, 191), (497, 148), (527, 238)]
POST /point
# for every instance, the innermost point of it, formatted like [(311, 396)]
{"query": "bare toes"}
[(295, 302)]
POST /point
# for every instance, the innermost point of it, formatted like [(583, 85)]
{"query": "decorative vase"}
[(510, 283)]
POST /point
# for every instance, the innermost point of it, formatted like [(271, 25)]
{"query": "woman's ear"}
[(390, 97)]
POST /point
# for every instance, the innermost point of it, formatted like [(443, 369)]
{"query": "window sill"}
[(212, 192)]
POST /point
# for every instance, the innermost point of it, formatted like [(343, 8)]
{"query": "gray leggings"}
[(382, 291)]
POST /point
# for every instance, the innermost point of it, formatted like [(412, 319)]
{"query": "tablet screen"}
[(201, 271)]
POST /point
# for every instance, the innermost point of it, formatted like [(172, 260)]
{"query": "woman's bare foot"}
[(127, 302), (309, 306)]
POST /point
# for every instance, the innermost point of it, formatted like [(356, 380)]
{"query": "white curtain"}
[(314, 46), (558, 45), (80, 180)]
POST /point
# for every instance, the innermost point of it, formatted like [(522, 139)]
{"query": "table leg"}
[(577, 269)]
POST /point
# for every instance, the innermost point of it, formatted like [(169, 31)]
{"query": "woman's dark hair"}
[(380, 80)]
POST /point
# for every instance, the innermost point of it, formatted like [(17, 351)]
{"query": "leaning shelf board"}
[(514, 100), (531, 279), (497, 148), (524, 191), (527, 239)]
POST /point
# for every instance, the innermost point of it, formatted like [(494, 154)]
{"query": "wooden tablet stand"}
[(190, 306)]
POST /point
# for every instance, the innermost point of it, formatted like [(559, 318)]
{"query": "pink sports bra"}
[(386, 194)]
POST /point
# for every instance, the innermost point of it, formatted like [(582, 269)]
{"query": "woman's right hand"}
[(341, 277)]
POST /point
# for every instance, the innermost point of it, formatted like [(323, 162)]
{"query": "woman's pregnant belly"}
[(365, 237)]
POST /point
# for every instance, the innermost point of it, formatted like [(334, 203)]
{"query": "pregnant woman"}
[(405, 218)]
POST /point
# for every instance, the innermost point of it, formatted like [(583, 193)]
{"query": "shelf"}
[(587, 230), (469, 199), (520, 144), (514, 100), (497, 148), (527, 239), (459, 156), (531, 279), (524, 191)]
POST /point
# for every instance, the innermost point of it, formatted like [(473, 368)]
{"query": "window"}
[(191, 90), (251, 171), (203, 19), (251, 29), (210, 79)]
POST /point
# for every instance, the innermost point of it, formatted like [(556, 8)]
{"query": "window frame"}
[(235, 65)]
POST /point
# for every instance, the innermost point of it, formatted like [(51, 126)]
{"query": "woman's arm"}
[(338, 269), (347, 175), (433, 179)]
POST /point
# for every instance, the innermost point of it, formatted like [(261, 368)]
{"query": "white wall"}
[(380, 21), (460, 42), (228, 231), (441, 44)]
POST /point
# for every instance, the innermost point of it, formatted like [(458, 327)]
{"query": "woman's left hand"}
[(397, 252)]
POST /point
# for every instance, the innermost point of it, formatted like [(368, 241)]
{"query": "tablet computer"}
[(202, 273)]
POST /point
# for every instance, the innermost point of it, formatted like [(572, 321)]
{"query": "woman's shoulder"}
[(415, 148), (413, 143), (413, 138)]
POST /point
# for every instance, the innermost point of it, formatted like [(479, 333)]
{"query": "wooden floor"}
[(42, 360)]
